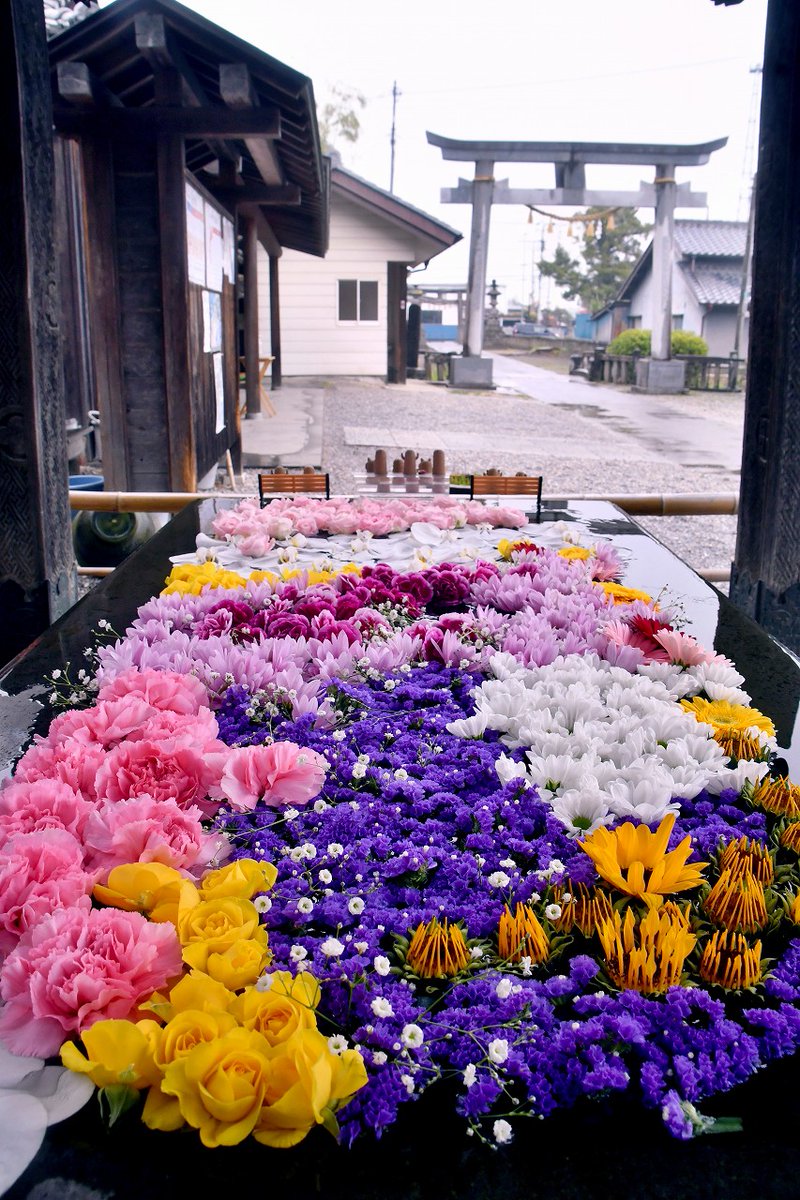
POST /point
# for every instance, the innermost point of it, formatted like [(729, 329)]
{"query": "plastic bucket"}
[(86, 483)]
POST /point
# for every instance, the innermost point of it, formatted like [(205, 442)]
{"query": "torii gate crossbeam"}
[(569, 159)]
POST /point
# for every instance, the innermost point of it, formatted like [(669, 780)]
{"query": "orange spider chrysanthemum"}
[(746, 855), (437, 950), (729, 961), (778, 796), (520, 935), (585, 908), (635, 861), (647, 954), (737, 901)]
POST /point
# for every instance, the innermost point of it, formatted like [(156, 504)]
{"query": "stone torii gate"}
[(664, 195)]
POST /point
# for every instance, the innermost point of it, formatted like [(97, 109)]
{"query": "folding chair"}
[(290, 483), (507, 485)]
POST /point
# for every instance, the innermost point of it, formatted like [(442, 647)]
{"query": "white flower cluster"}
[(604, 744)]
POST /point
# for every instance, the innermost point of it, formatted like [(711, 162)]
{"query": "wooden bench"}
[(507, 485), (290, 483)]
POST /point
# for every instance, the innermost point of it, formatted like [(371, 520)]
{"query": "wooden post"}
[(275, 322), (175, 293), (765, 579), (663, 232), (252, 383), (37, 568), (482, 189)]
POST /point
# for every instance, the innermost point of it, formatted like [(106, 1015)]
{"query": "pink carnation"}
[(77, 967), (282, 773), (105, 724), (39, 872), (45, 804), (200, 731), (184, 774), (71, 762), (146, 830), (161, 689)]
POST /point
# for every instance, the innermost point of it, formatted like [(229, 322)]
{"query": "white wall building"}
[(346, 314), (708, 263)]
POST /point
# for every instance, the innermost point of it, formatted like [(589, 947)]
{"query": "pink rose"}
[(146, 830), (77, 967), (282, 773), (39, 872), (45, 804), (181, 773), (161, 689), (256, 545)]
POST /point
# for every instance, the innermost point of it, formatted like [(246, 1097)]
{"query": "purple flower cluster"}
[(412, 823)]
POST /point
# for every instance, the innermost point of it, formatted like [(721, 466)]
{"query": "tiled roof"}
[(711, 239), (714, 284)]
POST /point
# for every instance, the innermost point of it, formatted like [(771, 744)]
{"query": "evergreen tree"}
[(605, 257)]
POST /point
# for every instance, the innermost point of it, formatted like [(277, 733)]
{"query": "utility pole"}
[(395, 93)]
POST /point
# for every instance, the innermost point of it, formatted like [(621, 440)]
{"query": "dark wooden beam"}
[(77, 85), (237, 90), (263, 123), (175, 294), (251, 364), (161, 51), (264, 230), (287, 196)]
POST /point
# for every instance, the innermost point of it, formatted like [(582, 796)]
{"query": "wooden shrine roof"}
[(248, 117)]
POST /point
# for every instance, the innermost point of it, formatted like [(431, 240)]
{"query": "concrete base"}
[(470, 372), (658, 377)]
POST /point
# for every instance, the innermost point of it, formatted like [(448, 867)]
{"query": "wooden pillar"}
[(765, 579), (275, 323), (251, 383), (482, 189), (37, 568), (175, 293), (663, 232)]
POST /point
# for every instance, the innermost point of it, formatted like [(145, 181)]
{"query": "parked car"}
[(530, 329)]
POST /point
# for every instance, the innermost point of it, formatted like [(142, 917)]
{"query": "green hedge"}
[(637, 341)]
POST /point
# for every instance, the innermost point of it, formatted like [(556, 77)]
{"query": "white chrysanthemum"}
[(647, 798), (507, 769), (582, 810), (736, 777), (469, 727), (556, 773)]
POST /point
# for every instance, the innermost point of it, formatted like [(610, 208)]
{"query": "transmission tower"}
[(750, 146)]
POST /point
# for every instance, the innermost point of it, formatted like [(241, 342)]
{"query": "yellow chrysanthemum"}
[(622, 856), (647, 954), (575, 552), (737, 901), (624, 595), (506, 547), (520, 935), (437, 950), (728, 961), (736, 727)]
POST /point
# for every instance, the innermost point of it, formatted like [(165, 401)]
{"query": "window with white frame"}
[(358, 299)]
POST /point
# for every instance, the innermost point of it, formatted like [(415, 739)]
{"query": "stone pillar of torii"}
[(570, 159)]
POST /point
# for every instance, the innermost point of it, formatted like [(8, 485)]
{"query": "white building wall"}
[(684, 303), (313, 340)]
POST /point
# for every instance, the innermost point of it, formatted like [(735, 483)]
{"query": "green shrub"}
[(684, 342), (631, 341), (637, 341)]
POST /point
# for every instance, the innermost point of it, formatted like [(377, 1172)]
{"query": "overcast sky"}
[(580, 70)]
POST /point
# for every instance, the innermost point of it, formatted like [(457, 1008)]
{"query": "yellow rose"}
[(282, 1011), (313, 1084), (117, 1052), (239, 965), (244, 878), (220, 1086), (214, 926), (185, 1030), (160, 892)]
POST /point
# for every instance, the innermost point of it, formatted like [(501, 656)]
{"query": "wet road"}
[(652, 422)]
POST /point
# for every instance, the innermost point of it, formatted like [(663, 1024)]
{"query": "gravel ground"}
[(703, 541)]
